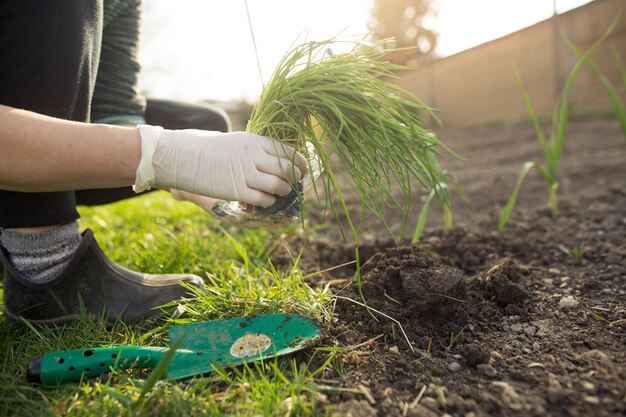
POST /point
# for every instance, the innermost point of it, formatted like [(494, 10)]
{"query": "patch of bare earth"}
[(470, 322)]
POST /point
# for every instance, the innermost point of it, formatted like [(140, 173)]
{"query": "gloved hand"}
[(234, 166)]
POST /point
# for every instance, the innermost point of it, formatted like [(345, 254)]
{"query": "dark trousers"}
[(49, 55)]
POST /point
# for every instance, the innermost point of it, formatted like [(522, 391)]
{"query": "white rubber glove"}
[(234, 166)]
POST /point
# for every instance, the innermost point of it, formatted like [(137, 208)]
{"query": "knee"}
[(220, 119), (177, 115)]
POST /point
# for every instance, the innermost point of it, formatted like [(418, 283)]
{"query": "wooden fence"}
[(478, 86)]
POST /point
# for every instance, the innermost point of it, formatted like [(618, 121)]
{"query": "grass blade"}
[(510, 205), (620, 64), (618, 106), (554, 210), (158, 372), (533, 116), (421, 221)]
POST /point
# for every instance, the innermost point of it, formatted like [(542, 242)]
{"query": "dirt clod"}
[(475, 355), (418, 284)]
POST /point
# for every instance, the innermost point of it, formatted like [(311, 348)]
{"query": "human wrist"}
[(122, 150), (145, 175)]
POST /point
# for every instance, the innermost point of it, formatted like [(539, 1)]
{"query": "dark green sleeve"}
[(116, 98)]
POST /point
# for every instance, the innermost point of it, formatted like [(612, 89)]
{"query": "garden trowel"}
[(200, 347)]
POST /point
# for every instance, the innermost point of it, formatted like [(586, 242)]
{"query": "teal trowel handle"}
[(71, 365)]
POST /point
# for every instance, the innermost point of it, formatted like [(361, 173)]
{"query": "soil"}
[(472, 322)]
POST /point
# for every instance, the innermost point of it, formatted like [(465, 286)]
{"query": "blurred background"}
[(203, 50)]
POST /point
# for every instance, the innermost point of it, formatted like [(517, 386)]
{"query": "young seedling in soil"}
[(577, 252), (553, 148), (454, 338), (447, 210)]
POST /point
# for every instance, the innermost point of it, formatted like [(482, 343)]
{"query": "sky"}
[(197, 50)]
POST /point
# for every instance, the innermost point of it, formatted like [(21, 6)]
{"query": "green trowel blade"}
[(239, 340)]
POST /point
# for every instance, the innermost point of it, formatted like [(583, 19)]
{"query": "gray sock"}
[(41, 256)]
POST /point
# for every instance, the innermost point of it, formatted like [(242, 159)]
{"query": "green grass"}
[(156, 234), (346, 108)]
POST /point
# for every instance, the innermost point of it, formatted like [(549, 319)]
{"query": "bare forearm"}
[(40, 153)]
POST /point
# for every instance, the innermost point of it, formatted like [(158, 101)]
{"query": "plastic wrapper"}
[(285, 210)]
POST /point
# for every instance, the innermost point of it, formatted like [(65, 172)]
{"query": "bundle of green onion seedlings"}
[(346, 109)]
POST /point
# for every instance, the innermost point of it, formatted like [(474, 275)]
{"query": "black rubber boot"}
[(100, 284)]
